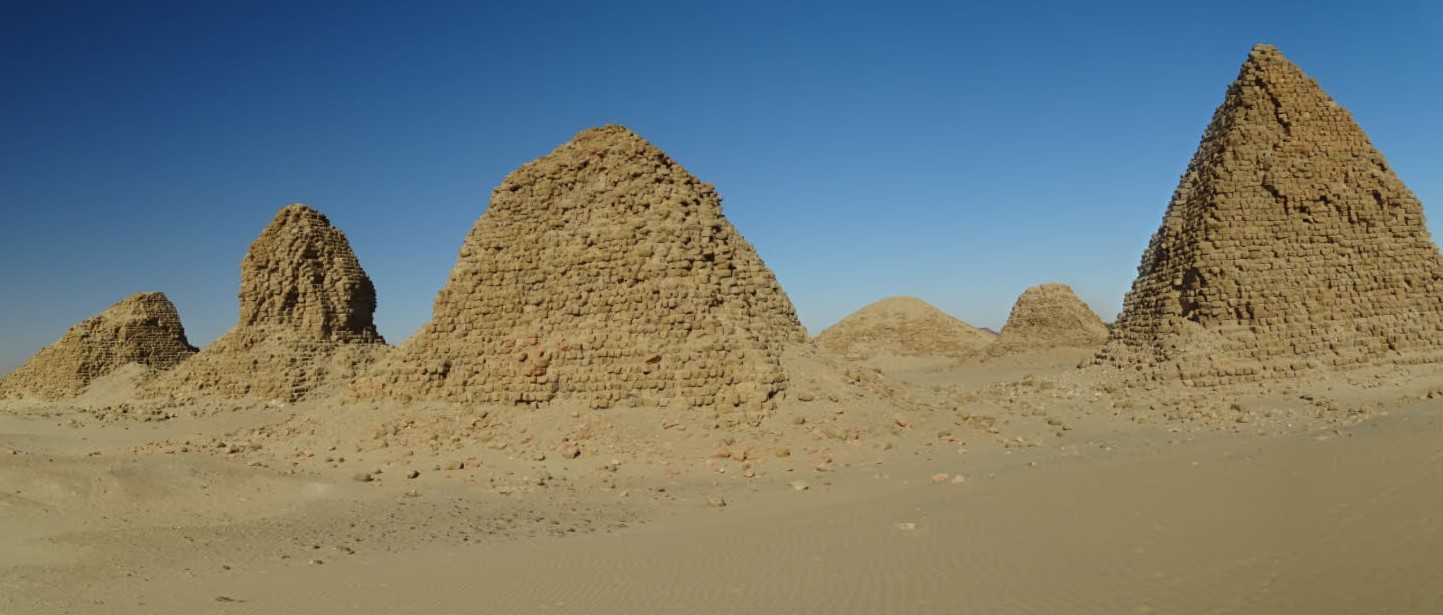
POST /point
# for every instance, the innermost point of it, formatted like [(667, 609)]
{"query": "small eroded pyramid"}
[(902, 327), (306, 311), (602, 274), (143, 328), (1049, 317), (1289, 244)]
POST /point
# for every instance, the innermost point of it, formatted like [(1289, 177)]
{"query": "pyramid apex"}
[(297, 211), (1263, 54), (606, 132)]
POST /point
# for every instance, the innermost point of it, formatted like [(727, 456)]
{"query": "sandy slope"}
[(1286, 509)]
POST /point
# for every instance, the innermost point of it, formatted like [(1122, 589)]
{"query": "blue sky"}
[(954, 151)]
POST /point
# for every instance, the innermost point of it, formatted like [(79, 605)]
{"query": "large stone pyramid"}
[(901, 327), (1049, 317), (305, 318), (143, 328), (1289, 244), (601, 274)]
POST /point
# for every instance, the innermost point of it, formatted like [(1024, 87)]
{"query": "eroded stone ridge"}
[(902, 327), (302, 275), (1289, 244), (602, 274), (1047, 317), (306, 310), (143, 328)]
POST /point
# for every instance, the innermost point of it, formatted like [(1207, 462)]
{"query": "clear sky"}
[(955, 151)]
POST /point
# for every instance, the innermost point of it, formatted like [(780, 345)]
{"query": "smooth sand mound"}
[(894, 330)]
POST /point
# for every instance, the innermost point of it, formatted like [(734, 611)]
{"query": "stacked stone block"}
[(143, 328), (601, 274), (306, 310), (1289, 244)]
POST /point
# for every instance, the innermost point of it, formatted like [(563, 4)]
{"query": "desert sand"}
[(616, 410), (1269, 508)]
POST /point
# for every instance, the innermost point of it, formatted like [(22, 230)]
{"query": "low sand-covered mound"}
[(902, 328), (143, 328)]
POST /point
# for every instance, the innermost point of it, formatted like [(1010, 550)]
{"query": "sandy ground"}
[(1009, 489)]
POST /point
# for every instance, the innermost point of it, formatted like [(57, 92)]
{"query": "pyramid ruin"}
[(902, 327), (1289, 244), (305, 318), (1049, 317), (143, 328), (602, 274)]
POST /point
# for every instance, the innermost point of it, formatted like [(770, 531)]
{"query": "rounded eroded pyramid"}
[(601, 274)]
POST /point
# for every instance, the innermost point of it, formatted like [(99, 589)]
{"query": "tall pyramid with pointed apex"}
[(306, 311), (1289, 244), (602, 274), (143, 328)]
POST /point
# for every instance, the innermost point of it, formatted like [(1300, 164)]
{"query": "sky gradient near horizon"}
[(957, 152)]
